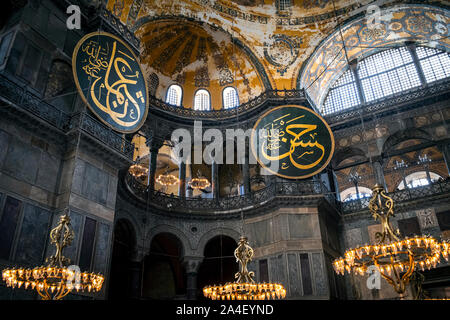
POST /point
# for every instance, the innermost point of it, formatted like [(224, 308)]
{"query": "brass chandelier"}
[(396, 259), (199, 183), (56, 280), (138, 170), (167, 179), (244, 288)]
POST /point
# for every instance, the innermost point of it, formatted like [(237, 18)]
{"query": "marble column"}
[(444, 148), (182, 177), (154, 148), (189, 191), (377, 166), (135, 269), (215, 179), (191, 266), (135, 277), (246, 172)]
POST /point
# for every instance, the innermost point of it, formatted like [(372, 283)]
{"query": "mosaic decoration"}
[(233, 12), (134, 11), (185, 55), (118, 8), (110, 81), (398, 24), (282, 51), (310, 4), (181, 78), (160, 63), (201, 77), (287, 21), (292, 142), (156, 42), (201, 51), (225, 75), (242, 74), (248, 2)]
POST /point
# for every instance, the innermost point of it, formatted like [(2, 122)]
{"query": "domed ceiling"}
[(196, 56), (278, 40)]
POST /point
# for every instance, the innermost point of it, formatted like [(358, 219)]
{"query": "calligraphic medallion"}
[(110, 81), (292, 142)]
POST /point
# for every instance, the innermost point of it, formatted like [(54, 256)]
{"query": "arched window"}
[(418, 179), (202, 100), (388, 72), (230, 98), (350, 194), (174, 94), (434, 63), (343, 94)]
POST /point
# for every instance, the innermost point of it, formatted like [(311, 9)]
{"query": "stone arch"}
[(214, 233), (328, 60), (403, 135), (186, 246), (132, 220), (122, 258), (346, 153)]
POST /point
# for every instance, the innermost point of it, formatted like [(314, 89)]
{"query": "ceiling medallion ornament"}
[(245, 288), (56, 280), (292, 142), (395, 259), (282, 51), (110, 81)]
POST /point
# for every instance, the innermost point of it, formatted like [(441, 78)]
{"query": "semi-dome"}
[(196, 57)]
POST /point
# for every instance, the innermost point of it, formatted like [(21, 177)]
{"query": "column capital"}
[(139, 253), (192, 263), (153, 143)]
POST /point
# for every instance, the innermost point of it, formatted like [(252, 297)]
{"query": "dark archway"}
[(219, 265), (123, 248), (164, 276)]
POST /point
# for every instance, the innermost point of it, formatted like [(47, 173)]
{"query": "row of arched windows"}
[(387, 73), (414, 180), (202, 99)]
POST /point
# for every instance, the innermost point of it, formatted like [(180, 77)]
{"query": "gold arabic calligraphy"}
[(284, 132), (106, 65)]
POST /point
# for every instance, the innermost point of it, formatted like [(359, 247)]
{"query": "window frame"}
[(209, 99), (358, 79), (223, 98), (181, 95)]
